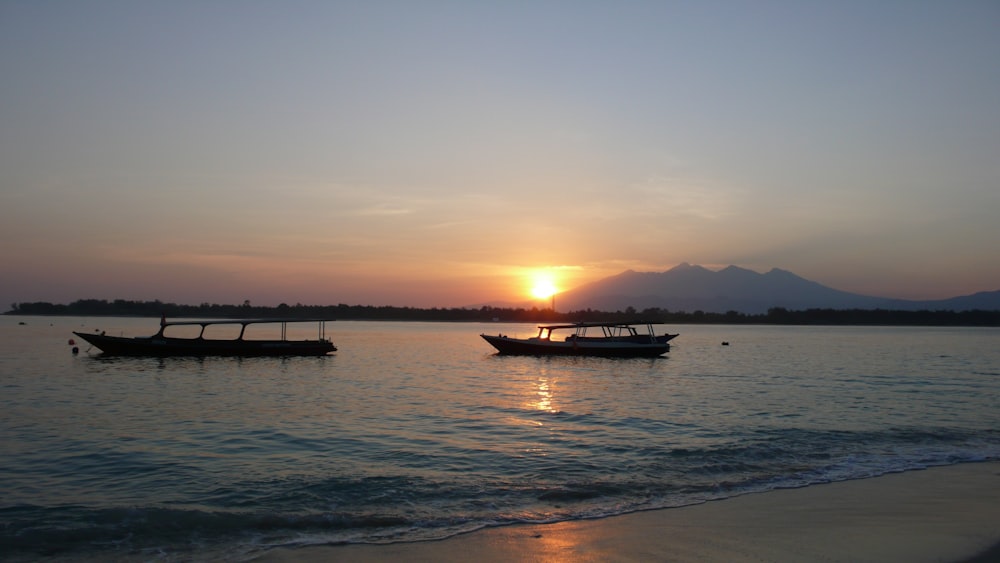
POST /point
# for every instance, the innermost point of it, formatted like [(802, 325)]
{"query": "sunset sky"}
[(440, 153)]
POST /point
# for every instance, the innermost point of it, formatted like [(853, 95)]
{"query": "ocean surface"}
[(416, 431)]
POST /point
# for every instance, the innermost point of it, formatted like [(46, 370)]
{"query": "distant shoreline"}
[(774, 315)]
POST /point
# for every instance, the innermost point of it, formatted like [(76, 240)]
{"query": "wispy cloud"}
[(382, 211)]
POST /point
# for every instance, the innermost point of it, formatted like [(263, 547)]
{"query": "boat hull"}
[(573, 347), (165, 346)]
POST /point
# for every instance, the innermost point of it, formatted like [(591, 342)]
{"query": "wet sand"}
[(945, 514)]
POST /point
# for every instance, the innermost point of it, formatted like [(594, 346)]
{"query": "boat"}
[(616, 340), (162, 345)]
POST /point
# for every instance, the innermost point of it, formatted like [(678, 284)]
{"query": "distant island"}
[(774, 315), (687, 287)]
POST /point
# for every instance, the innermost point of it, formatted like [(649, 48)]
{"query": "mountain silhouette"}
[(695, 288)]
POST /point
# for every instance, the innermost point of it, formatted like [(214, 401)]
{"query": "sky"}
[(446, 153)]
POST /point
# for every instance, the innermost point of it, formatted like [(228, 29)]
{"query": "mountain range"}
[(692, 288)]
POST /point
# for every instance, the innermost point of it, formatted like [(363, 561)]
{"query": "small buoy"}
[(75, 350), (71, 342)]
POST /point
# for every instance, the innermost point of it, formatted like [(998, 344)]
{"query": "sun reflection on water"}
[(544, 396)]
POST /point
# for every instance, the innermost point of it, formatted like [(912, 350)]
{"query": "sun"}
[(543, 286)]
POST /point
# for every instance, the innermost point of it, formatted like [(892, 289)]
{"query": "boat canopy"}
[(245, 322), (608, 329), (590, 324)]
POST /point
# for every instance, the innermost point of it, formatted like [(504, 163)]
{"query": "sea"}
[(418, 431)]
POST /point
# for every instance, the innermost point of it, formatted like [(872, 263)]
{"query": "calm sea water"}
[(417, 430)]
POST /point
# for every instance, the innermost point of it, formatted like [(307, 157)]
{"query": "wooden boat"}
[(162, 345), (618, 340)]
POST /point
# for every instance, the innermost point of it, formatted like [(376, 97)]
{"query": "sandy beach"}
[(942, 514)]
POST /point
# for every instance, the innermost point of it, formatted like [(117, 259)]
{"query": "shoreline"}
[(941, 514), (902, 318)]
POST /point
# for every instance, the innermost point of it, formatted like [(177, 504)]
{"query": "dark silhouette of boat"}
[(162, 345), (616, 340)]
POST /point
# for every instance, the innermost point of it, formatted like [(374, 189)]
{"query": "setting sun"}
[(543, 286)]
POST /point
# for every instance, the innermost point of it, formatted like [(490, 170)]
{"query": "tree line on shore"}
[(775, 315)]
